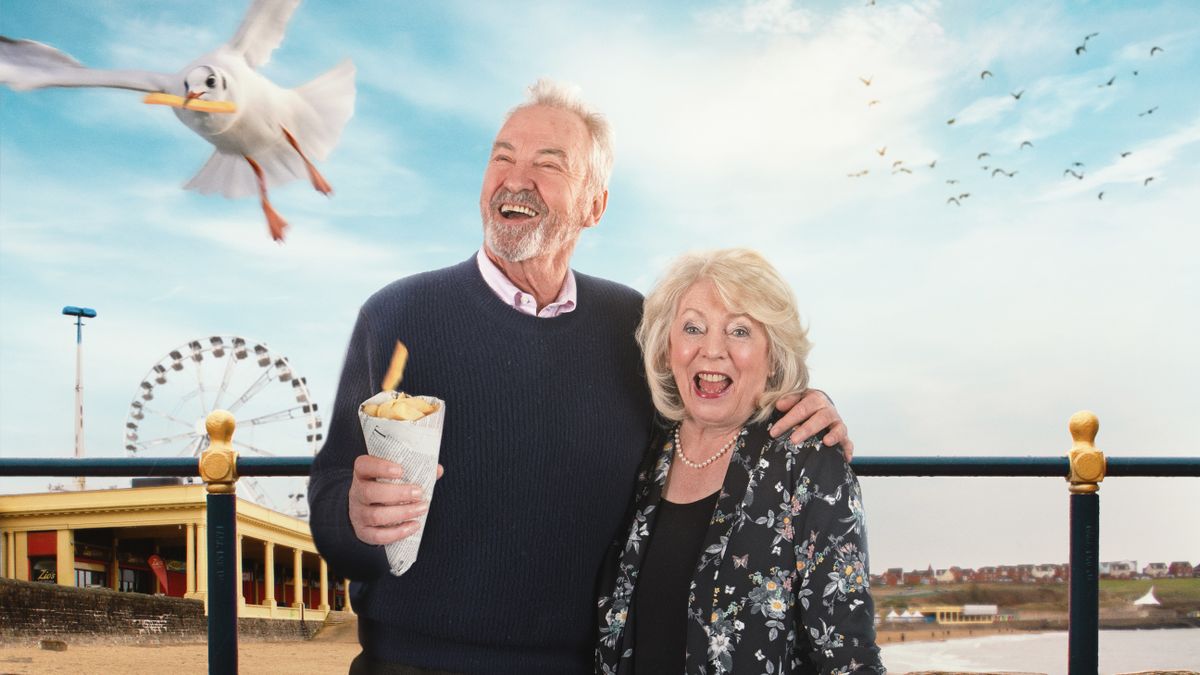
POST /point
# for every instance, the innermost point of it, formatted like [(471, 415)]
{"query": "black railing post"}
[(1087, 470), (218, 468)]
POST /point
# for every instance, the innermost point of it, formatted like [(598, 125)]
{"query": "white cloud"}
[(756, 16)]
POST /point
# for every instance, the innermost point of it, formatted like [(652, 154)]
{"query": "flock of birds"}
[(1074, 170)]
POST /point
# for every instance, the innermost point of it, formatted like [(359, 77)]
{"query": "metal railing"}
[(220, 467)]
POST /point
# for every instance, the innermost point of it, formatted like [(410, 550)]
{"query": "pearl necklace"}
[(710, 460)]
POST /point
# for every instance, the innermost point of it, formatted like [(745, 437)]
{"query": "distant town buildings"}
[(1041, 573)]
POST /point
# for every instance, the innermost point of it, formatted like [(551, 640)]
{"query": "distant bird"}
[(1147, 181), (1072, 172), (1101, 195), (933, 164), (1155, 49), (872, 102), (982, 155), (1076, 163), (953, 200), (1109, 83), (1089, 36), (1126, 154), (985, 167), (882, 151), (264, 135), (950, 121), (858, 174), (952, 182), (1148, 112), (870, 3), (1017, 95), (1135, 73), (897, 163), (1081, 49), (902, 169), (866, 80), (986, 73), (1006, 173), (964, 195), (1025, 144)]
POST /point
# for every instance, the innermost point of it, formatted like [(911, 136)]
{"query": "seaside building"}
[(153, 540), (1155, 570), (1118, 569), (960, 614)]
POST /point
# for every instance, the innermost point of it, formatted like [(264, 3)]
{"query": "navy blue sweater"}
[(546, 420)]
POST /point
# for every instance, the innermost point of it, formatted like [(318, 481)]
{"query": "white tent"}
[(1148, 598), (892, 615)]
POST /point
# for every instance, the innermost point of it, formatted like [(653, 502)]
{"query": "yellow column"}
[(202, 564), (241, 593), (269, 555), (346, 596), (324, 606), (6, 572), (21, 556), (190, 562), (65, 558), (297, 594)]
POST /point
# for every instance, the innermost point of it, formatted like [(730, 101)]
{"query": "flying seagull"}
[(1148, 112), (952, 181), (1155, 49), (1109, 83), (986, 73), (1101, 195), (1072, 172), (897, 163), (264, 135), (1147, 181), (858, 174), (1081, 49), (1089, 36), (902, 169), (1024, 144), (866, 80), (982, 155), (964, 195), (933, 164), (882, 151), (1010, 174), (953, 200), (1126, 154), (950, 121), (1017, 95), (872, 102)]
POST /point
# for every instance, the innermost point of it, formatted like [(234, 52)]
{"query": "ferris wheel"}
[(275, 412)]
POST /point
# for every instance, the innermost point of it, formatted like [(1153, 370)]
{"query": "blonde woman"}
[(745, 554)]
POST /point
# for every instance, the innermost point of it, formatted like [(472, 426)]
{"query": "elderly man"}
[(547, 417)]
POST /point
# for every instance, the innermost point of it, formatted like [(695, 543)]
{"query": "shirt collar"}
[(521, 301)]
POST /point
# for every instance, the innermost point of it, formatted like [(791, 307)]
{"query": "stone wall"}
[(34, 611)]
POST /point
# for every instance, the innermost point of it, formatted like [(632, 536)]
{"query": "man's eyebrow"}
[(555, 152), (505, 145)]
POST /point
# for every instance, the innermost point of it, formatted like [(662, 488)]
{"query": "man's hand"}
[(813, 412), (384, 512)]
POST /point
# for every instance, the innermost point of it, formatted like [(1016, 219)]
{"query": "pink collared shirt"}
[(521, 301)]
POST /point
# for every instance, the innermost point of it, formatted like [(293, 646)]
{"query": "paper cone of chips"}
[(406, 430)]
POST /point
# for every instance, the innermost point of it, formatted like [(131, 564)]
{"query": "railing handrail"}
[(935, 465)]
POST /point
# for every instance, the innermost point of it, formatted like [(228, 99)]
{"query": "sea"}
[(1121, 651)]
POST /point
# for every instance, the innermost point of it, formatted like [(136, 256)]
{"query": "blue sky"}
[(972, 329)]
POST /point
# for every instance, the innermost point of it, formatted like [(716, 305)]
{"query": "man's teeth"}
[(712, 377), (508, 209)]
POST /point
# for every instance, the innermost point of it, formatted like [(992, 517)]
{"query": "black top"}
[(660, 605), (548, 418)]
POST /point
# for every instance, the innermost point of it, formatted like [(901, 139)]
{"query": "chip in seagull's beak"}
[(190, 103)]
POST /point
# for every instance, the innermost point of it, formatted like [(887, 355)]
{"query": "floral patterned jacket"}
[(781, 585)]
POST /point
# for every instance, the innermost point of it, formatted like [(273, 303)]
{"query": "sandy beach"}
[(294, 658)]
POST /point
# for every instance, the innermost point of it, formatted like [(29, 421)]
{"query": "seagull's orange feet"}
[(275, 223), (318, 181)]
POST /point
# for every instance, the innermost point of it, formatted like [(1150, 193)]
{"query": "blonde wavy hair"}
[(747, 284)]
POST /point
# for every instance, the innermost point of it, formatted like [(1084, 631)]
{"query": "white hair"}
[(566, 97)]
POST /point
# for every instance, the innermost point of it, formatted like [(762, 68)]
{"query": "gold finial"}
[(218, 464), (1087, 462)]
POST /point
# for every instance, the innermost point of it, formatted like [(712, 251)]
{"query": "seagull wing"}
[(25, 64), (262, 30)]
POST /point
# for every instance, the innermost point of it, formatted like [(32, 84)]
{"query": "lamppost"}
[(80, 313)]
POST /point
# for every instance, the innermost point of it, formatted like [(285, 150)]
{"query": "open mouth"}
[(711, 385), (516, 212)]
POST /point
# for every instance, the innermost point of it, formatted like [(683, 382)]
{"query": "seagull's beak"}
[(192, 102)]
